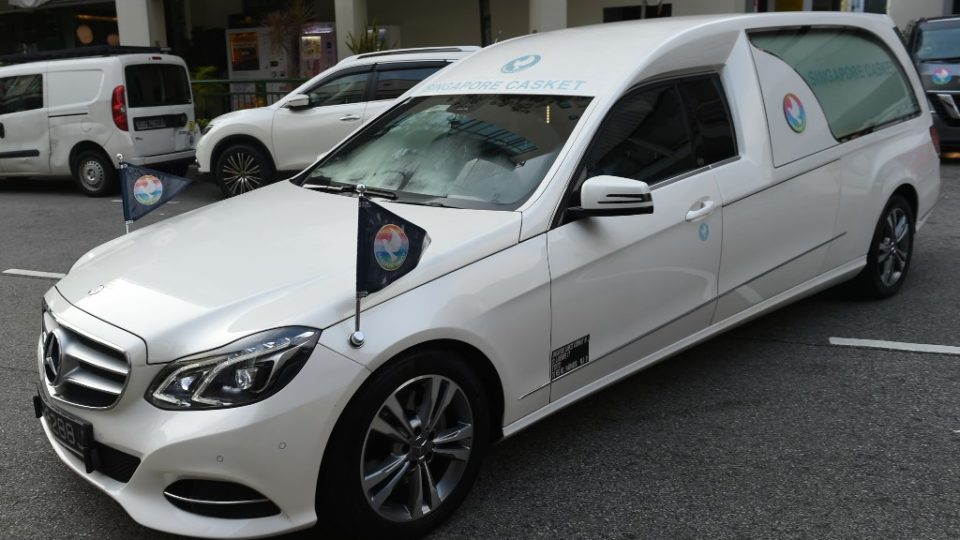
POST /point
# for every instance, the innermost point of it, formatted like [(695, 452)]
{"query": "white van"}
[(597, 199), (71, 112)]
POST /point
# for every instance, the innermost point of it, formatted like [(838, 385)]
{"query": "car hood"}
[(939, 76), (278, 256)]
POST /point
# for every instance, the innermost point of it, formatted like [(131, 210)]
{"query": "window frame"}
[(399, 66), (129, 74), (568, 201), (339, 74), (43, 96), (869, 36), (718, 85)]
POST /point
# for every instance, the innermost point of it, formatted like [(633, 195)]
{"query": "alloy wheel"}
[(893, 251), (241, 173), (416, 448)]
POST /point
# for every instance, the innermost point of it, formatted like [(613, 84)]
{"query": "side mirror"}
[(613, 196), (298, 102)]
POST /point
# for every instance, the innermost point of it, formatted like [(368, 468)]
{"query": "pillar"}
[(546, 15), (351, 18), (141, 23)]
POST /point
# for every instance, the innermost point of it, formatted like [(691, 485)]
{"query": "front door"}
[(624, 288), (24, 130), (336, 109)]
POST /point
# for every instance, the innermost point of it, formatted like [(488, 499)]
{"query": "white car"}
[(597, 199), (246, 149), (69, 113)]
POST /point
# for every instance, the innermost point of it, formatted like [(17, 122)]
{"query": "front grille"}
[(81, 370), (214, 498), (938, 107)]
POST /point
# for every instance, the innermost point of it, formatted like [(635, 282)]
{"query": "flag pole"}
[(357, 338), (122, 165)]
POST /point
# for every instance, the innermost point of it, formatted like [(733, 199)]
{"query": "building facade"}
[(233, 33)]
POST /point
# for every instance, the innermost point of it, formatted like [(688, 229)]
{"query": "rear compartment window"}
[(392, 83), (22, 93), (157, 85), (713, 138), (857, 80)]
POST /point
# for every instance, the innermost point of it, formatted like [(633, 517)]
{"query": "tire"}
[(242, 168), (891, 251), (367, 508), (95, 174)]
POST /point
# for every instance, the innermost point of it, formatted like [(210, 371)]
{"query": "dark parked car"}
[(934, 45)]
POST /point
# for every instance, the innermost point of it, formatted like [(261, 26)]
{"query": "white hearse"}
[(69, 113), (597, 200)]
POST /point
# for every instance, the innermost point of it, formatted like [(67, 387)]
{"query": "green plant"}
[(369, 41), (205, 94)]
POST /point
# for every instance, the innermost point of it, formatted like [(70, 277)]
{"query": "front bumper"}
[(274, 447), (949, 134)]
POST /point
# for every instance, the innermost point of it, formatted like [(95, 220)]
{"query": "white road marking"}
[(895, 346), (33, 273)]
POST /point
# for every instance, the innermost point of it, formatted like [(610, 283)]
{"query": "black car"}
[(934, 46)]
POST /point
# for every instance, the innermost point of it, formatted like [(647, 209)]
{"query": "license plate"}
[(146, 124), (74, 434)]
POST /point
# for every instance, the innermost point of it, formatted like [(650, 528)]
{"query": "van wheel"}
[(94, 173), (406, 450), (890, 251), (242, 168)]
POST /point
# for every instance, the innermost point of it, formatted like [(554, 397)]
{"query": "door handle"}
[(3, 133), (707, 207), (349, 118)]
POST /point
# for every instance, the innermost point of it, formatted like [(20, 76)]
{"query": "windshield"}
[(939, 41), (466, 151)]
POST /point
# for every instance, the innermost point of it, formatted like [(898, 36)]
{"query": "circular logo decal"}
[(941, 76), (794, 112), (704, 231), (147, 190), (390, 247), (520, 64)]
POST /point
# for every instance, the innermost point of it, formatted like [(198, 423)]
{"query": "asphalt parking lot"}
[(766, 432)]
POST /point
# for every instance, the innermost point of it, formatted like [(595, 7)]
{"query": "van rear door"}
[(160, 113)]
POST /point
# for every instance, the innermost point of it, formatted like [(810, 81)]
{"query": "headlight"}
[(243, 372)]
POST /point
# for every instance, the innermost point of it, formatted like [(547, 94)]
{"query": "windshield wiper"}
[(346, 188), (950, 60)]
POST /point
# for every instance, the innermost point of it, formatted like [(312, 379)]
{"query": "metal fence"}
[(213, 97)]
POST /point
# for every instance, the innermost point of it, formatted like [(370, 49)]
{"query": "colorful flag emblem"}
[(794, 112), (144, 190), (388, 247), (941, 76)]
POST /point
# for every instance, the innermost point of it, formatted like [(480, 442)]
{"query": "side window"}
[(392, 83), (857, 80), (345, 89), (713, 138), (21, 93), (644, 137)]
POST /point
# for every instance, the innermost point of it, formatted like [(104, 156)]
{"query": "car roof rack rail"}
[(79, 52), (421, 50)]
